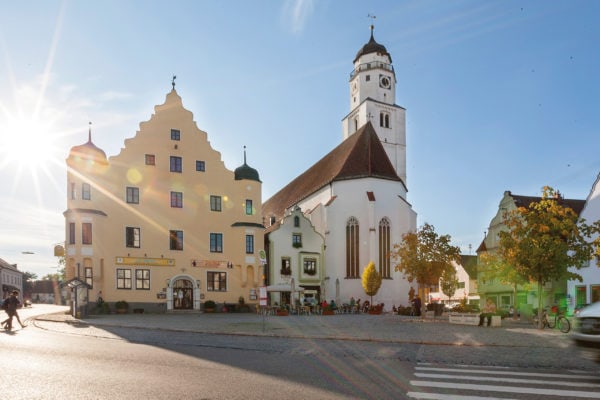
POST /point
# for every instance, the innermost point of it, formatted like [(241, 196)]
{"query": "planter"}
[(121, 311), (282, 313), (327, 312), (209, 310), (375, 312)]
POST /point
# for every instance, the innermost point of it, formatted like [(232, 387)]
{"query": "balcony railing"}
[(371, 65)]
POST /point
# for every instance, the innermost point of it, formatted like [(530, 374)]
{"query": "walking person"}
[(10, 305)]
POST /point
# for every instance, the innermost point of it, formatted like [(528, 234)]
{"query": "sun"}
[(26, 143)]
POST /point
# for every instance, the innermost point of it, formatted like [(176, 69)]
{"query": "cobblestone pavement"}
[(363, 327), (515, 343)]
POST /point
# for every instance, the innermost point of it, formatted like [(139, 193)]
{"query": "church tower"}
[(372, 99)]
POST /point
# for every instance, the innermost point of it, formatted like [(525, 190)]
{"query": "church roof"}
[(372, 47), (359, 156)]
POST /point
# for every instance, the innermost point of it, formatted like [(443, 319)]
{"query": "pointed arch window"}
[(352, 250), (384, 248)]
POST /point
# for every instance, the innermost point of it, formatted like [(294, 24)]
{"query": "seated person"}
[(488, 310)]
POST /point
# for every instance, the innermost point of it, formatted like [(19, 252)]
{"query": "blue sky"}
[(500, 95)]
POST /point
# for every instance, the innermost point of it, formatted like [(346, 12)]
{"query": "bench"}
[(472, 319)]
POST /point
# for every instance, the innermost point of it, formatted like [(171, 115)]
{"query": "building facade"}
[(587, 290), (163, 225), (356, 195), (521, 296), (11, 279)]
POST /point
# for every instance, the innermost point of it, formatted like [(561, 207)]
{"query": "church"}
[(355, 197)]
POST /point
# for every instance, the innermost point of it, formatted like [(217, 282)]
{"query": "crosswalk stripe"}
[(441, 396), (508, 389), (497, 372), (504, 379)]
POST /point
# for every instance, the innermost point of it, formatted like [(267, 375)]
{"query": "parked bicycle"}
[(559, 320)]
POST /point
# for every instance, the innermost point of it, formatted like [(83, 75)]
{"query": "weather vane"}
[(372, 16), (173, 81)]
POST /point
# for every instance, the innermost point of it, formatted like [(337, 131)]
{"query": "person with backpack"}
[(10, 305)]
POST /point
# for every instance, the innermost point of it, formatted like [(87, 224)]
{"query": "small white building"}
[(295, 257), (588, 290)]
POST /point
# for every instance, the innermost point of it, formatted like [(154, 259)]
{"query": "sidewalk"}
[(362, 327)]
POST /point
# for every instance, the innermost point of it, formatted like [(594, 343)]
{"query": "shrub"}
[(121, 304), (210, 304)]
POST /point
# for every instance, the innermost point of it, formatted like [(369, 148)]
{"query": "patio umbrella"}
[(292, 292), (337, 291)]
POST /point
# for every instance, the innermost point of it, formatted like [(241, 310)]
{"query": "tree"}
[(544, 240), (28, 278), (449, 282), (371, 280), (424, 256), (493, 267)]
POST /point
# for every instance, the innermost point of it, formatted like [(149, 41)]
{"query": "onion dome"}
[(89, 151), (246, 171), (372, 47)]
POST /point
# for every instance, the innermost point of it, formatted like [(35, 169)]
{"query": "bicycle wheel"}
[(551, 322), (564, 325)]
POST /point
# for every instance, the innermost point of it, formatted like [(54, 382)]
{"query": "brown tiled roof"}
[(525, 201), (359, 156)]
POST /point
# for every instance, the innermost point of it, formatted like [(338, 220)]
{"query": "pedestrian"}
[(10, 305), (488, 310)]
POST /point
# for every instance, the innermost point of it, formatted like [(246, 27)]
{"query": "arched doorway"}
[(183, 294)]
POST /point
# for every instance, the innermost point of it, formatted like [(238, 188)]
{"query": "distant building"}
[(11, 279), (356, 195), (588, 290), (522, 297), (466, 275), (163, 225)]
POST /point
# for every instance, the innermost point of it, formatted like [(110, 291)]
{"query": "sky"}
[(499, 95)]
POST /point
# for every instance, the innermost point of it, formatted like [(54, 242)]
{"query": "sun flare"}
[(26, 143)]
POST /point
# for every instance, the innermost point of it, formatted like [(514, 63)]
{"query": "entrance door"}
[(183, 294)]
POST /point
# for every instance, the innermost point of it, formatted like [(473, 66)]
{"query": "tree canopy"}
[(544, 240), (371, 280), (424, 255), (449, 282)]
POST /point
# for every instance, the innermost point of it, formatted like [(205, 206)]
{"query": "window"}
[(71, 232), (175, 164), (296, 222), (86, 233), (200, 166), (216, 242), (297, 240), (177, 199), (352, 253), (461, 285), (86, 191), (123, 278), (87, 272), (286, 266), (580, 295), (73, 191), (384, 248), (215, 203), (249, 244), (310, 266), (248, 207), (132, 237), (384, 120), (368, 78), (216, 281), (595, 293), (133, 195), (150, 159), (142, 279), (175, 134), (176, 240)]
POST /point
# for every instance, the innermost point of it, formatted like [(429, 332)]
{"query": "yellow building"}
[(163, 225)]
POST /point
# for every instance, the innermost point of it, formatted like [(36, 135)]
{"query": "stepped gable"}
[(360, 156)]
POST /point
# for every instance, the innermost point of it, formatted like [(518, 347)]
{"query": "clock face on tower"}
[(385, 81)]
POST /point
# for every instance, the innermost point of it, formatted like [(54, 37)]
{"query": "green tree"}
[(28, 278), (544, 240), (371, 280), (424, 256), (449, 282), (493, 267)]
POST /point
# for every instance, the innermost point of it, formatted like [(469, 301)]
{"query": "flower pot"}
[(209, 310), (121, 311), (282, 313), (327, 312)]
